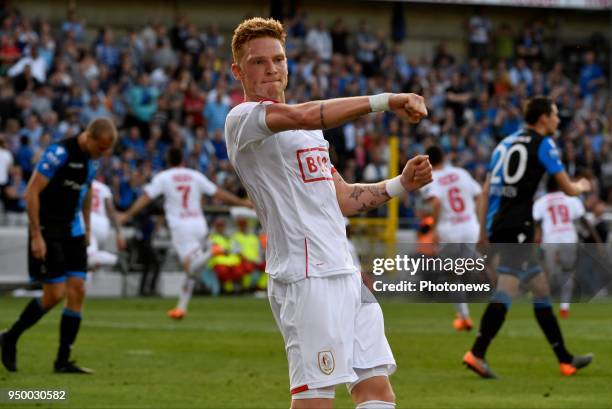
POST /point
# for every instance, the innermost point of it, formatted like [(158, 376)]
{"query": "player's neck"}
[(540, 130), (262, 98)]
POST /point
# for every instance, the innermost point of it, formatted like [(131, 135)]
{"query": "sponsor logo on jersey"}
[(314, 164), (76, 165), (327, 364)]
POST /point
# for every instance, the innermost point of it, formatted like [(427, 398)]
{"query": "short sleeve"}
[(206, 186), (429, 191), (549, 157), (537, 210), (248, 124), (154, 189), (54, 157)]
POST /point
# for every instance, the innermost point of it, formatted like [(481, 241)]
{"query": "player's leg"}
[(372, 357), (31, 314), (317, 324), (50, 273), (70, 323), (550, 327), (186, 243), (567, 260), (490, 324)]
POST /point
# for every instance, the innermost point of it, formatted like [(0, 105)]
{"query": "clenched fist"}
[(409, 107), (416, 173)]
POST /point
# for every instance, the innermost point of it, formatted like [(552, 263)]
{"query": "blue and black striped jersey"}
[(516, 168)]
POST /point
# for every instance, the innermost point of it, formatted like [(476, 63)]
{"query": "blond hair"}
[(101, 126), (256, 27)]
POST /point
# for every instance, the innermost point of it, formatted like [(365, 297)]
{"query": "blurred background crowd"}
[(171, 85)]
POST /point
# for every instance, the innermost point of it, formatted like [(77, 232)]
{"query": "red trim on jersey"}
[(299, 389), (306, 252), (269, 100), (333, 170)]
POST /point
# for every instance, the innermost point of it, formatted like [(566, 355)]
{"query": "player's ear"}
[(236, 72)]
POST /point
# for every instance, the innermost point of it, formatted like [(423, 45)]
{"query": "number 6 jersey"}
[(516, 168)]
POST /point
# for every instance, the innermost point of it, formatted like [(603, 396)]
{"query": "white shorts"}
[(187, 238), (328, 331), (460, 233), (100, 229)]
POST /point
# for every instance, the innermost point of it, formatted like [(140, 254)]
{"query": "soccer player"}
[(516, 168), (455, 196), (182, 189), (58, 200), (282, 159), (103, 214), (555, 214)]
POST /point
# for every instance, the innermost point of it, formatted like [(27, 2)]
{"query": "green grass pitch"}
[(228, 354)]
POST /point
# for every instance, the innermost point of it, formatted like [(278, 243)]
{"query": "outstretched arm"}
[(140, 204), (361, 197), (335, 112), (230, 198), (572, 188)]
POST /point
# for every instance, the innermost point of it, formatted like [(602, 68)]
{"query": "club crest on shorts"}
[(326, 362)]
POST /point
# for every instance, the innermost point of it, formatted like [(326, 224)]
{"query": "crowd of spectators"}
[(172, 86)]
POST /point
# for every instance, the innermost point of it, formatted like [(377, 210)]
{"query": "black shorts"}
[(518, 254), (66, 257)]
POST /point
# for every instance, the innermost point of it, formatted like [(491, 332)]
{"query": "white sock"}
[(566, 293), (186, 292), (462, 309), (198, 260), (375, 404)]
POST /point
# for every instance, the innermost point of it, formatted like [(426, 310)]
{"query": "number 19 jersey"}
[(516, 168)]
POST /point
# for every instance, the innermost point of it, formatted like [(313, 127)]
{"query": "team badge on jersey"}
[(326, 362)]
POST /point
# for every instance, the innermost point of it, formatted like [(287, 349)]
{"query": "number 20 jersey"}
[(516, 168)]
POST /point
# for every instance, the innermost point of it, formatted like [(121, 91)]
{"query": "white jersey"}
[(99, 194), (288, 176), (557, 213), (182, 189), (456, 190)]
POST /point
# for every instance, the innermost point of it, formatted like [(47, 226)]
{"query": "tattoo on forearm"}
[(377, 195), (323, 125)]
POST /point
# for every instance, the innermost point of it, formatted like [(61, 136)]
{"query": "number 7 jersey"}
[(182, 189), (516, 169)]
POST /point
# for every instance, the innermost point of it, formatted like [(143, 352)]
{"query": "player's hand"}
[(248, 203), (120, 242), (417, 173), (39, 247), (583, 185), (122, 218), (409, 107)]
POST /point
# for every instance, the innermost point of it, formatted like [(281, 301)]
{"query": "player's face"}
[(552, 120), (100, 146), (262, 69)]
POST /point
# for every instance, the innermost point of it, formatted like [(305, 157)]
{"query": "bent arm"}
[(335, 112), (230, 198), (37, 184), (571, 188), (359, 197), (87, 210), (142, 202)]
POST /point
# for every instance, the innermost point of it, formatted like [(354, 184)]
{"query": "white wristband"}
[(394, 187), (380, 102)]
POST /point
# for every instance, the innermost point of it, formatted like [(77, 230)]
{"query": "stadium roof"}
[(567, 4)]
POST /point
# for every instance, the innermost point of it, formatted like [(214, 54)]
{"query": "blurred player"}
[(103, 214), (516, 168), (282, 159), (58, 199), (555, 214), (455, 196), (182, 189)]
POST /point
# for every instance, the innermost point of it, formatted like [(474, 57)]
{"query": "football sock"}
[(462, 309), (30, 316), (69, 327), (186, 292), (548, 322), (492, 320), (375, 404)]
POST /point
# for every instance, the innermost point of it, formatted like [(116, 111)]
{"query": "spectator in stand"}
[(479, 32), (591, 77), (319, 41), (216, 111), (34, 61)]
